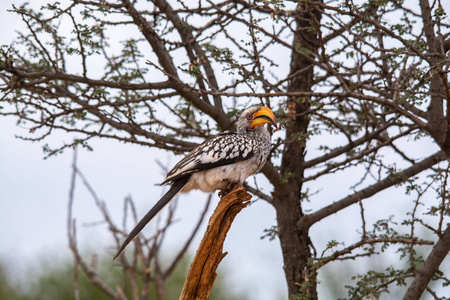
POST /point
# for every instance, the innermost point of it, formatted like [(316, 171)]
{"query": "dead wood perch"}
[(202, 273)]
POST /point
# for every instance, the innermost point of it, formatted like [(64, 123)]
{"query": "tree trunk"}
[(300, 276), (437, 126)]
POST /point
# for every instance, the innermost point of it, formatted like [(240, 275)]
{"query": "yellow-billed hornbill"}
[(220, 163)]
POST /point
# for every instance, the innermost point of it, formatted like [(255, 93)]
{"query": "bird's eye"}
[(249, 117)]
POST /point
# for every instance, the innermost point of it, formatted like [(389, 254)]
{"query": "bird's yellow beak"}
[(262, 116)]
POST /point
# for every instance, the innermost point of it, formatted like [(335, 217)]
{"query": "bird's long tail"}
[(176, 187)]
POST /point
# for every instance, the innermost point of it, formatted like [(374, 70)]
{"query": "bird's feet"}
[(231, 186)]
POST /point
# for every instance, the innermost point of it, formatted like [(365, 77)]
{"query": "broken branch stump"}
[(202, 273)]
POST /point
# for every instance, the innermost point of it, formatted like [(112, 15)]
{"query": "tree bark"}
[(437, 126), (430, 267), (301, 277), (202, 273)]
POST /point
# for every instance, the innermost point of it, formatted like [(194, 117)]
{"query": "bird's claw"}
[(228, 189), (223, 193)]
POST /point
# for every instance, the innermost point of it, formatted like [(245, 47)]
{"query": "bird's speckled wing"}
[(224, 149)]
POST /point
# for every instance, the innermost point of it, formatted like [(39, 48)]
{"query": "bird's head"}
[(254, 118)]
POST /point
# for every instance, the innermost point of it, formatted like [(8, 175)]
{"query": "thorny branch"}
[(343, 254)]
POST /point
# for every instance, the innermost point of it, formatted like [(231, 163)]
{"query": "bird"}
[(220, 163)]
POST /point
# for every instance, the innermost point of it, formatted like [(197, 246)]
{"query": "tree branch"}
[(167, 63), (202, 273), (307, 220), (430, 267)]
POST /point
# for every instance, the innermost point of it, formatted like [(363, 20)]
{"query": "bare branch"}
[(430, 267), (308, 220)]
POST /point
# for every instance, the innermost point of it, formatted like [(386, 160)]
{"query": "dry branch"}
[(430, 267), (202, 273)]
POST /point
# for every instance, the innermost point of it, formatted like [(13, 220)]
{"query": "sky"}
[(34, 196)]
